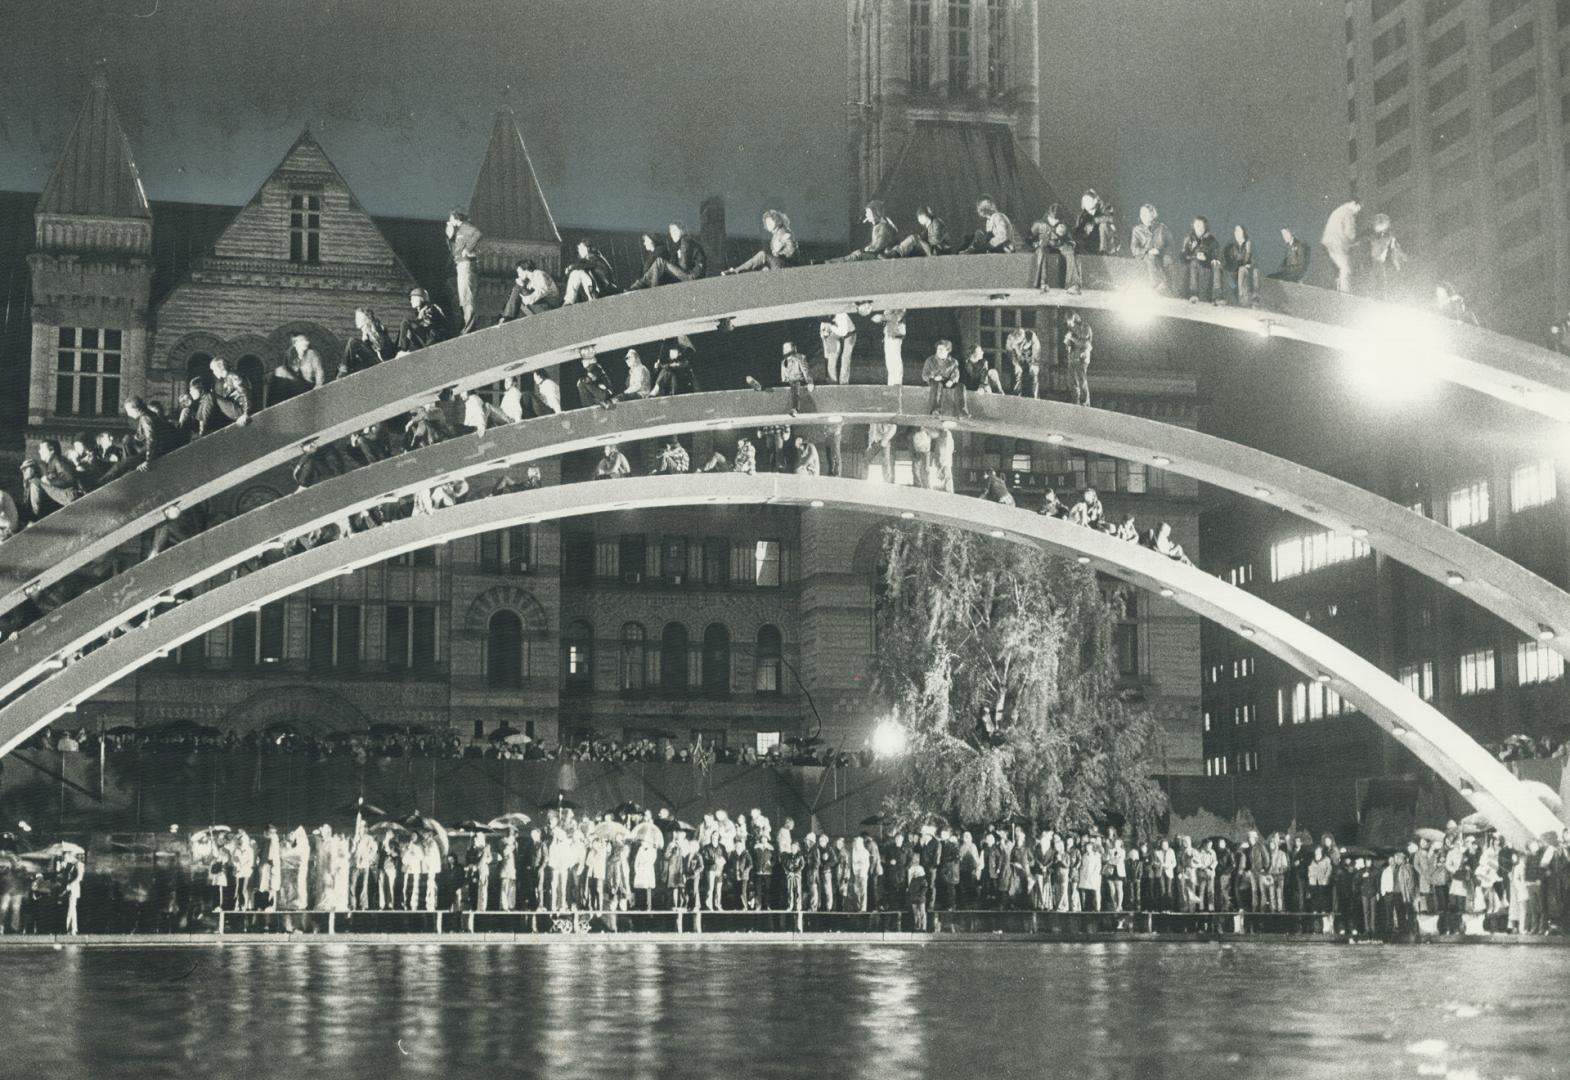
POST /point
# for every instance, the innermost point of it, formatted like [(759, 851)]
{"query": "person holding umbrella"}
[(71, 873), (508, 870)]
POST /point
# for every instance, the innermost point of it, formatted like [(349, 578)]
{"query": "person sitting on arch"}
[(673, 458), (993, 489), (930, 238), (426, 324), (230, 399), (1202, 262), (674, 373), (594, 386), (613, 464), (781, 250), (807, 462), (683, 260), (533, 291), (1151, 246), (884, 235), (1089, 511), (1055, 253), (996, 235), (1165, 545), (370, 346), (589, 276)]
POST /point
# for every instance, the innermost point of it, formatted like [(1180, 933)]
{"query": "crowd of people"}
[(632, 859), (417, 741)]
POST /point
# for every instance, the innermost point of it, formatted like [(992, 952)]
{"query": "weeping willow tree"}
[(1001, 663)]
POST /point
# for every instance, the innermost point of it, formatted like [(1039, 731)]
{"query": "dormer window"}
[(305, 228)]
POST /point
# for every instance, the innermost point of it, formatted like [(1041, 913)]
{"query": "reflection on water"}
[(626, 1009)]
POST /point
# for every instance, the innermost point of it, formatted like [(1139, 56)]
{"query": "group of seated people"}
[(1090, 512)]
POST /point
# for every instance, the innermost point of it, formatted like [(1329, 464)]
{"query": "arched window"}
[(198, 363), (769, 655), (577, 648), (716, 660), (673, 658), (504, 650), (634, 649), (251, 370)]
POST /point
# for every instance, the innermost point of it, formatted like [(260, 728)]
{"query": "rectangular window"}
[(410, 637), (1303, 554), (766, 564), (1125, 638), (920, 44), (423, 557), (632, 554), (1531, 485), (1104, 474), (1447, 44), (257, 637), (1396, 165), (1389, 41), (1521, 182), (335, 637), (1519, 89), (1535, 663), (997, 47), (673, 559), (87, 372), (1392, 124), (1207, 721), (1476, 675), (1391, 82), (578, 558), (1512, 45), (766, 741), (1469, 505), (1449, 131), (959, 46), (305, 228), (1419, 678), (1443, 91), (1132, 477), (506, 551)]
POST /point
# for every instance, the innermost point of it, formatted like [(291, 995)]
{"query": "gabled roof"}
[(951, 165), (95, 175), (507, 202)]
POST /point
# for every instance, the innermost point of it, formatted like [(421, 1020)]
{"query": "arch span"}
[(1500, 586), (1435, 741), (90, 528)]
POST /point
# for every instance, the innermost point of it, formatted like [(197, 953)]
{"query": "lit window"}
[(1537, 663), (1300, 703), (87, 372), (1207, 721), (1302, 554), (1469, 505), (1419, 678), (305, 228), (1477, 675), (767, 740), (1532, 485)]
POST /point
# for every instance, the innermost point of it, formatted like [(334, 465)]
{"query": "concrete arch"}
[(1500, 586), (89, 528), (1485, 782), (504, 598)]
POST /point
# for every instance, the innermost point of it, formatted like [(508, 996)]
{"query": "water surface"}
[(626, 1009)]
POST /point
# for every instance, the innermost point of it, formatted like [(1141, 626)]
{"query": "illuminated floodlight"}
[(817, 504), (1137, 304), (1322, 677), (1393, 352), (1265, 327), (1055, 438), (172, 512), (1263, 492), (907, 514), (1455, 577), (1467, 790), (996, 534), (1359, 533), (1162, 460), (1545, 632), (1397, 730), (889, 739), (1083, 560), (1248, 631), (1168, 593)]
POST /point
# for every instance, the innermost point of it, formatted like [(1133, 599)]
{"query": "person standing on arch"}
[(1339, 236), (463, 242)]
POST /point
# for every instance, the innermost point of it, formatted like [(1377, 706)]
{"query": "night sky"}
[(635, 110)]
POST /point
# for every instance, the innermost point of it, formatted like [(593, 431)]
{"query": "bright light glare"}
[(1138, 304), (889, 738), (1394, 353)]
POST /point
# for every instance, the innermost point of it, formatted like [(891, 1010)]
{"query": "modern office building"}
[(1456, 113)]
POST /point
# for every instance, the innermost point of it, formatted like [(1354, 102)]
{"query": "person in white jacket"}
[(1339, 237)]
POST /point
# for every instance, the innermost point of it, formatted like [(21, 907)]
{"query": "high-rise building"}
[(1456, 113)]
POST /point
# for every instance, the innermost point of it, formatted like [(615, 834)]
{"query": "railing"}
[(800, 921)]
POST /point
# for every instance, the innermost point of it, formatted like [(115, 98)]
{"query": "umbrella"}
[(648, 833), (213, 834), (429, 826), (1476, 823), (559, 802), (62, 847), (1357, 853), (503, 733), (385, 828), (612, 830), (475, 827), (517, 738), (513, 820), (1433, 836), (1544, 794), (281, 727), (628, 807)]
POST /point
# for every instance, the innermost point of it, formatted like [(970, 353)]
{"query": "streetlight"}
[(889, 738)]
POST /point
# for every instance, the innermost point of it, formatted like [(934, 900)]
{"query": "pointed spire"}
[(507, 203), (96, 175)]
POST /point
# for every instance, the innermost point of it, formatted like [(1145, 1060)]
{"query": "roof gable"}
[(306, 191), (507, 203), (95, 175)]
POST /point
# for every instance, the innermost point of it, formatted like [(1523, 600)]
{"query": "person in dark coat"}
[(369, 347), (589, 276), (426, 325), (930, 238), (682, 260), (884, 235), (1202, 260), (594, 386)]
